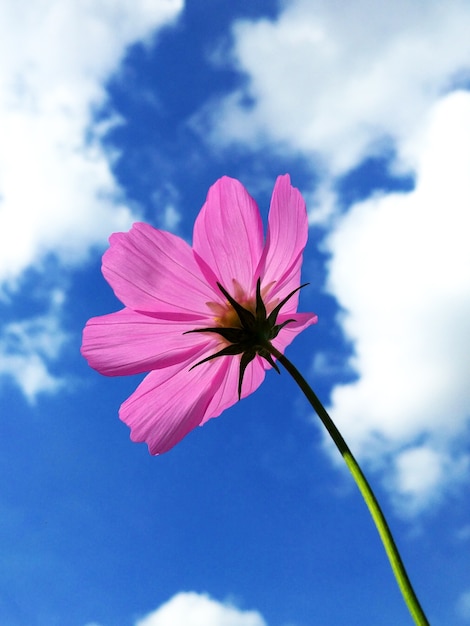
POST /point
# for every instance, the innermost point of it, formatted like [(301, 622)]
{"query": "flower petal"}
[(169, 289), (171, 402), (227, 392), (285, 241), (155, 271), (291, 330), (228, 235), (167, 405), (127, 342)]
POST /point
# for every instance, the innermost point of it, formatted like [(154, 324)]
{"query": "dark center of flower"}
[(250, 331)]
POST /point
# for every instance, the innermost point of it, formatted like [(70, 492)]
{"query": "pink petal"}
[(171, 402), (127, 342), (168, 288), (285, 241), (155, 271), (167, 405), (227, 393), (291, 330), (228, 235)]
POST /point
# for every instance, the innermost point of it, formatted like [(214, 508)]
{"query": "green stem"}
[(374, 508)]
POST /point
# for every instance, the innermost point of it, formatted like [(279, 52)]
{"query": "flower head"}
[(201, 319)]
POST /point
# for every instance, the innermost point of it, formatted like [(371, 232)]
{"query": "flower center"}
[(228, 319), (225, 316), (247, 328)]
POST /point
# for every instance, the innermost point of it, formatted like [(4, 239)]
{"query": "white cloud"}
[(170, 218), (58, 194), (188, 608), (419, 474), (400, 268), (463, 534), (463, 605), (166, 200), (193, 609), (57, 191), (341, 80), (27, 348)]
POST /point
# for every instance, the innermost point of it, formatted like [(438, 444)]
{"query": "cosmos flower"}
[(201, 319)]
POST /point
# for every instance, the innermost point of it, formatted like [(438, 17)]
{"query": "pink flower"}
[(200, 319)]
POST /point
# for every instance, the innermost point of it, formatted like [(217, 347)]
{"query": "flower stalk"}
[(381, 524), (179, 313), (252, 336)]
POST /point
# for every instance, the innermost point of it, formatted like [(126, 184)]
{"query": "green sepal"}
[(275, 312), (246, 358), (264, 352), (254, 335), (279, 327), (231, 350), (234, 335), (260, 307), (246, 317)]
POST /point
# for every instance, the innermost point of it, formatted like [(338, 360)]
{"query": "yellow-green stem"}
[(374, 508)]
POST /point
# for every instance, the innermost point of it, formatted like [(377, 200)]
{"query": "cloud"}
[(341, 83), (463, 534), (168, 217), (193, 609), (58, 194), (29, 346), (188, 608), (420, 474), (463, 605), (400, 269), (338, 80)]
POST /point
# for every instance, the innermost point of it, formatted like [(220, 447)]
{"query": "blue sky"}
[(117, 111)]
